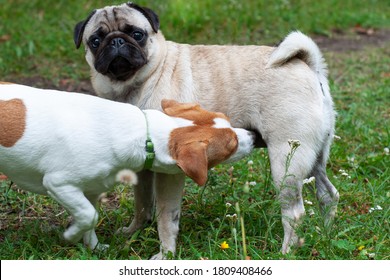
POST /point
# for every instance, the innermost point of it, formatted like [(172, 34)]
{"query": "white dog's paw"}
[(71, 235)]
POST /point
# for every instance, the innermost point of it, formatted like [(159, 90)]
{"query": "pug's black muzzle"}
[(119, 57)]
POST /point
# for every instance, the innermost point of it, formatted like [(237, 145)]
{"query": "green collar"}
[(149, 147)]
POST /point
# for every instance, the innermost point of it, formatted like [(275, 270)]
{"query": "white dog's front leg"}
[(169, 193), (89, 238)]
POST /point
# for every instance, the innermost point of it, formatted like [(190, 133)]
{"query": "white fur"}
[(74, 145)]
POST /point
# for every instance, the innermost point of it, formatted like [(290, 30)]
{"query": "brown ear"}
[(168, 103), (192, 159), (176, 109)]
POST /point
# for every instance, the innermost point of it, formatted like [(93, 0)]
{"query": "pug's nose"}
[(117, 42)]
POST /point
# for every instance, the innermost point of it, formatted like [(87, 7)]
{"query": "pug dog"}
[(280, 92)]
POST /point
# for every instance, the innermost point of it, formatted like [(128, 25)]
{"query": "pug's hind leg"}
[(144, 203), (288, 171)]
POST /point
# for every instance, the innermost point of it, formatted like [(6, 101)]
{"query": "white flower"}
[(336, 137), (371, 255), (310, 212), (228, 204), (308, 202), (127, 177), (294, 143), (309, 180), (376, 208), (386, 150), (253, 183), (250, 162), (345, 174)]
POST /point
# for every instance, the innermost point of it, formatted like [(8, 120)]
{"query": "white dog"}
[(71, 146)]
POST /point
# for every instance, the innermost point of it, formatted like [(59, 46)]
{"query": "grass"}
[(36, 39), (39, 44)]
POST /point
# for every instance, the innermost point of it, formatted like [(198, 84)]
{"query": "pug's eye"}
[(138, 36), (95, 43)]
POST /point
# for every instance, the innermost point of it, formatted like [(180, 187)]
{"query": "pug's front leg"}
[(169, 193)]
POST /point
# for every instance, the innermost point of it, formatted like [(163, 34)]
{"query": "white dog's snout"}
[(246, 138), (252, 135), (246, 143)]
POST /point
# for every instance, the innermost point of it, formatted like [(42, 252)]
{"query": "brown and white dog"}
[(71, 146)]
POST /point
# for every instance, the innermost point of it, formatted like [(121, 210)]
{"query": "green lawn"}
[(36, 42)]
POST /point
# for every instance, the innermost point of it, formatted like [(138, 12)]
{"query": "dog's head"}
[(209, 141), (117, 39)]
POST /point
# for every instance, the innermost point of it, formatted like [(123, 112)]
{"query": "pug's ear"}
[(79, 30), (150, 15)]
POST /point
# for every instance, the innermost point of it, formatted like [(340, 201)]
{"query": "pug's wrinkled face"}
[(116, 39)]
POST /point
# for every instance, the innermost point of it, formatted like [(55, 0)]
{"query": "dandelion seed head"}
[(127, 177)]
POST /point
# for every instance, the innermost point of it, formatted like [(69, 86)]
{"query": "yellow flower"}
[(361, 247), (224, 245)]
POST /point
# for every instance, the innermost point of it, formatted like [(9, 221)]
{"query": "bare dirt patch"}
[(353, 40)]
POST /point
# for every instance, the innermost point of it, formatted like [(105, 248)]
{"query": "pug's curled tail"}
[(298, 45)]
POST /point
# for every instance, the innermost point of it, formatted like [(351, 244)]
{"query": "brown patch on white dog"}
[(190, 111), (12, 121), (200, 147)]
